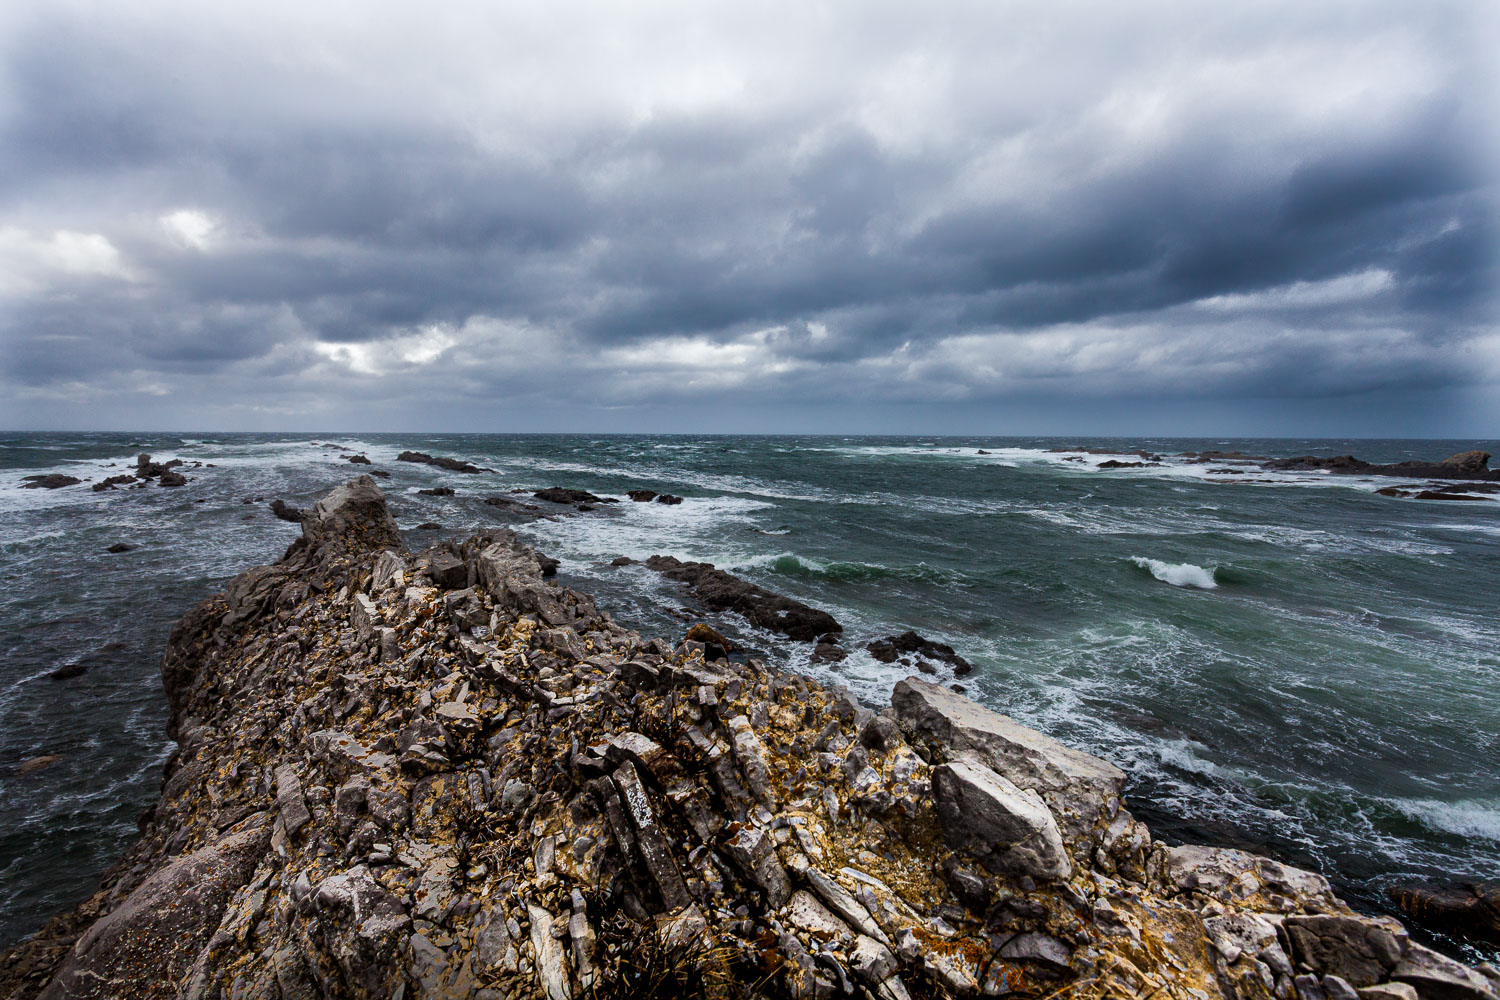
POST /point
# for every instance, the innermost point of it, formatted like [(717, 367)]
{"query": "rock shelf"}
[(439, 774)]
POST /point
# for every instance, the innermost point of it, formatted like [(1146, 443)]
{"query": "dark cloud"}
[(592, 205)]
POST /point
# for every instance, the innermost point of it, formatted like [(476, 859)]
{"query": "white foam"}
[(1178, 574), (1466, 817)]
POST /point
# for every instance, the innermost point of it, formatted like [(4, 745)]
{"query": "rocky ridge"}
[(442, 775)]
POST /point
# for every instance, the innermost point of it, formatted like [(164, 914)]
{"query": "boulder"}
[(1009, 830), (1362, 951), (437, 491), (172, 479), (119, 547), (641, 496), (1082, 791), (1438, 977), (49, 482), (145, 946)]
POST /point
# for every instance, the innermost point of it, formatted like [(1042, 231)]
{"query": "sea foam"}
[(1178, 574)]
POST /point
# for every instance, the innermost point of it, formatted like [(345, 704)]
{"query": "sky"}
[(977, 218)]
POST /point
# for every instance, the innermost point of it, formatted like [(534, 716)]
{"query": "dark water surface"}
[(1287, 661)]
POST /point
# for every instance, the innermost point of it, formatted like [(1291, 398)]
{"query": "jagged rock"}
[(1237, 877), (146, 944), (641, 496), (720, 591), (1471, 911), (1438, 977), (1080, 790), (286, 512), (497, 790), (172, 479), (1360, 950), (390, 571), (910, 643), (447, 570), (351, 520), (1011, 831), (290, 805), (437, 491)]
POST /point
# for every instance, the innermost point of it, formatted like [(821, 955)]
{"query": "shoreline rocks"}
[(438, 774)]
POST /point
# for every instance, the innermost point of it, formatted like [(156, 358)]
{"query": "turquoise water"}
[(1287, 662)]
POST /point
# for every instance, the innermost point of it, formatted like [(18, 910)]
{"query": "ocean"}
[(1281, 661)]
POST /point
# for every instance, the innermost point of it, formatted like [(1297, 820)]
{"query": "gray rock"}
[(1232, 877), (1438, 977), (754, 852), (447, 570), (551, 962), (1388, 991), (1033, 947), (1008, 829), (289, 801), (390, 572), (1362, 950), (1081, 790), (652, 843), (145, 946)]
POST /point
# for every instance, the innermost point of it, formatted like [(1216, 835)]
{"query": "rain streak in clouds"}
[(669, 216)]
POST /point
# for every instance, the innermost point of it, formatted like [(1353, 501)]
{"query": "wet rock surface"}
[(451, 464), (442, 775), (721, 591), (1465, 465)]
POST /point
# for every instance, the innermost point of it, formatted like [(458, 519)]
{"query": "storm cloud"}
[(668, 216)]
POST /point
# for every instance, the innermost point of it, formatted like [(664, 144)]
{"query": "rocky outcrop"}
[(721, 591), (910, 644), (51, 481), (1469, 911), (440, 775), (451, 464), (1464, 465)]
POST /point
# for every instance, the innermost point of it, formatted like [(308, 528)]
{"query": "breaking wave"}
[(1178, 574)]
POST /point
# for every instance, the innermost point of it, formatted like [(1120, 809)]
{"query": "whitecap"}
[(1178, 574), (1466, 817)]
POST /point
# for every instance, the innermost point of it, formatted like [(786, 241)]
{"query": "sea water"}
[(1287, 662)]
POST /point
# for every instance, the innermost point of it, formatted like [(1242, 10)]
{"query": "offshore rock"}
[(720, 591), (386, 788)]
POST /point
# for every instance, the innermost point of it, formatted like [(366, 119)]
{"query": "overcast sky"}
[(985, 217)]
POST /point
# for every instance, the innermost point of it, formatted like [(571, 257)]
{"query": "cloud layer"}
[(689, 216)]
